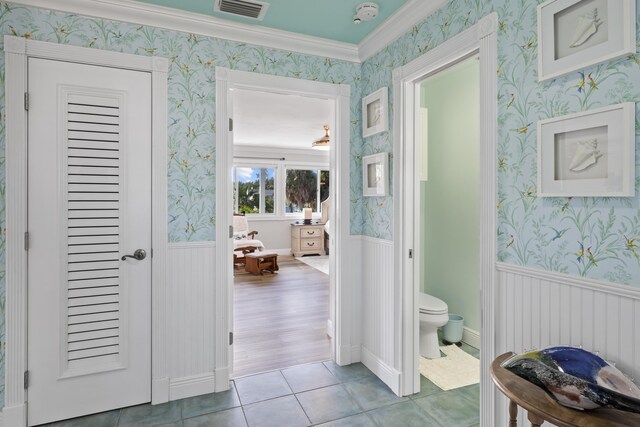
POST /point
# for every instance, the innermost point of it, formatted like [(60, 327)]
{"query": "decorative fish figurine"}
[(586, 154), (576, 378), (586, 26)]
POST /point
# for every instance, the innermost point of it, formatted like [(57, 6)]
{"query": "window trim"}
[(261, 203), (281, 167)]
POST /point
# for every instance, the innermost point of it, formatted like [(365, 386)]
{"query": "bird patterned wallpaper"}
[(593, 237)]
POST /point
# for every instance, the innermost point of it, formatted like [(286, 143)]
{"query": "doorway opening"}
[(339, 324), (281, 219), (447, 221), (481, 40)]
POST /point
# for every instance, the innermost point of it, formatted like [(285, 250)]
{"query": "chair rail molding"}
[(481, 39), (340, 246), (17, 52)]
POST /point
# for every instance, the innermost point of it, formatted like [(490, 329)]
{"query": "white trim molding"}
[(398, 24), (340, 306), (140, 13), (479, 39), (188, 22), (196, 385), (17, 52), (386, 373)]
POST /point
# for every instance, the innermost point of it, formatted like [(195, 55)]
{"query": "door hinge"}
[(231, 231), (26, 101), (26, 380), (230, 125), (230, 338), (26, 240), (410, 253)]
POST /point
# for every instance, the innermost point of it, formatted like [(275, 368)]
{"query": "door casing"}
[(17, 52), (480, 38), (343, 336)]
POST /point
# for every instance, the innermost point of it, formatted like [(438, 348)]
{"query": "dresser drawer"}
[(313, 244), (306, 232)]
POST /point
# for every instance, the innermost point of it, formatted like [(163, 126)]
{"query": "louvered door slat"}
[(92, 318), (93, 291), (93, 228), (93, 326)]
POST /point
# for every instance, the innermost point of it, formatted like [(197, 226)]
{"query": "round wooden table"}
[(542, 407)]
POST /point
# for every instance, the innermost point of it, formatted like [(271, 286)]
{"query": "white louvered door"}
[(89, 203)]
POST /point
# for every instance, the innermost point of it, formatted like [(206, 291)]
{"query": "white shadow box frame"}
[(375, 175), (588, 154), (574, 34), (375, 112)]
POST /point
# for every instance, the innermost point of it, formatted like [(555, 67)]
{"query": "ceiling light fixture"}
[(322, 143), (365, 12)]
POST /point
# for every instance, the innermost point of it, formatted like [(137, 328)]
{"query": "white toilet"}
[(434, 314)]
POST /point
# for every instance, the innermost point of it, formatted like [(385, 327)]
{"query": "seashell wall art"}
[(586, 26), (575, 34), (586, 155)]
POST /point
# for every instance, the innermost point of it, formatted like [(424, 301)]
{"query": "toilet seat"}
[(432, 305)]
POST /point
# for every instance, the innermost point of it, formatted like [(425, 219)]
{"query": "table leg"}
[(513, 414), (536, 421)]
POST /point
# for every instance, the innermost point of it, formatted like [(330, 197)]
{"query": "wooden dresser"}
[(307, 239)]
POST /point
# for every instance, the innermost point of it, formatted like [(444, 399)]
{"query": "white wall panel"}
[(190, 317), (378, 307), (537, 309)]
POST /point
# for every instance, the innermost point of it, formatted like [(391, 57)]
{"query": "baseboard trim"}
[(330, 328), (471, 337), (387, 374), (281, 252), (181, 388), (356, 354), (160, 390), (14, 415), (221, 379)]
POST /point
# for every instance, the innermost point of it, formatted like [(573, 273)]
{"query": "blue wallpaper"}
[(593, 237), (607, 229), (192, 125)]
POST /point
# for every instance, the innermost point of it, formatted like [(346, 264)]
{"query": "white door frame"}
[(481, 38), (227, 79), (17, 52)]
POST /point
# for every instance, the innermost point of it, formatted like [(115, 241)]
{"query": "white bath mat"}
[(320, 262), (456, 369)]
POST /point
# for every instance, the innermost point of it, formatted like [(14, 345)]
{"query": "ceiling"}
[(329, 19), (277, 120)]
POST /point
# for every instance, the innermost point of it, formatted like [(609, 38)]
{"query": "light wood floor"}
[(280, 320)]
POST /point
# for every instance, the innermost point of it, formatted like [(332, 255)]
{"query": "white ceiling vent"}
[(248, 9)]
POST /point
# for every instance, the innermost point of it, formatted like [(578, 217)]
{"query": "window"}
[(254, 190), (305, 188)]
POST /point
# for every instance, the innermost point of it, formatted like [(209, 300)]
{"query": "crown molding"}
[(139, 13), (158, 16), (398, 24)]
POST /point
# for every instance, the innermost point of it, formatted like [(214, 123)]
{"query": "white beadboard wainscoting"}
[(190, 318), (537, 308), (378, 299)]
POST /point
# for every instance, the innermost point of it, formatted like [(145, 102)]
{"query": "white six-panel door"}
[(89, 204)]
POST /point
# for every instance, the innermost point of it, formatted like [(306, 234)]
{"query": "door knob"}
[(139, 255)]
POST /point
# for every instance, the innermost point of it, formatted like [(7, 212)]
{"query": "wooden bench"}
[(258, 262)]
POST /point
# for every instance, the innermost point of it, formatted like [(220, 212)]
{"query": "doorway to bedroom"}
[(281, 181)]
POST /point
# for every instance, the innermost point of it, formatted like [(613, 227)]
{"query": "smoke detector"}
[(365, 12)]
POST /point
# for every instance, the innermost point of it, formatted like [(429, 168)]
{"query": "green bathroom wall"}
[(450, 196)]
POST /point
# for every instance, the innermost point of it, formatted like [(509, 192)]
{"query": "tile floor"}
[(314, 394)]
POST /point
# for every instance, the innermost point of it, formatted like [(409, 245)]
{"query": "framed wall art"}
[(375, 112), (375, 175), (590, 154), (574, 34)]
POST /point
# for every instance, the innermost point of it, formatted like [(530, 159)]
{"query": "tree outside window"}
[(305, 188)]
